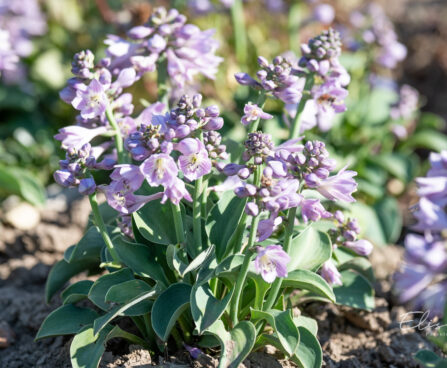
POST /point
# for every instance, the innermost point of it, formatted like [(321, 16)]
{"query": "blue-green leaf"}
[(355, 292), (168, 307), (66, 320), (236, 344), (309, 353), (283, 326), (76, 292), (308, 280), (205, 308)]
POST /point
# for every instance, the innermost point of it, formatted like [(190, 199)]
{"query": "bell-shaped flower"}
[(271, 262), (159, 169)]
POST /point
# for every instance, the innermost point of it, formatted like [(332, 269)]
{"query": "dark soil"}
[(349, 338)]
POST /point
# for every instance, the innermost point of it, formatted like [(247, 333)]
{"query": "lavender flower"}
[(76, 136), (252, 113), (8, 58), (407, 104), (324, 13), (425, 255), (335, 188), (313, 210), (188, 50), (160, 169), (271, 262), (268, 226), (194, 161), (91, 102), (176, 192)]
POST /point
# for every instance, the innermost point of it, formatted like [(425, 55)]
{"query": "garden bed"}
[(349, 338)]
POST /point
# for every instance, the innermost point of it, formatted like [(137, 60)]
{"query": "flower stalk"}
[(118, 137), (99, 222)]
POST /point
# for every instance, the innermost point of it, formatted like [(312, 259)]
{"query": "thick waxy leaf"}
[(101, 286), (390, 218), (236, 344), (308, 280), (261, 288), (306, 322), (429, 139), (141, 259), (355, 292), (156, 223), (198, 261), (14, 180), (369, 221), (63, 271), (86, 349), (309, 353), (430, 360), (309, 250), (125, 292), (76, 292), (205, 308), (89, 246), (361, 265), (66, 320), (174, 259), (168, 307), (283, 326), (102, 321), (223, 221)]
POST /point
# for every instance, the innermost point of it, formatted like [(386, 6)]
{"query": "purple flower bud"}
[(214, 124), (232, 169), (252, 209), (64, 178), (339, 216), (330, 273), (212, 111), (87, 186), (244, 173), (182, 131), (362, 247)]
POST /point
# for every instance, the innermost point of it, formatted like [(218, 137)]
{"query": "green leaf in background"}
[(377, 105), (308, 280), (430, 360), (309, 250), (66, 320), (429, 139), (168, 307), (390, 218), (205, 308), (223, 221), (76, 292), (355, 292), (361, 265), (236, 344), (369, 223), (283, 326), (14, 180)]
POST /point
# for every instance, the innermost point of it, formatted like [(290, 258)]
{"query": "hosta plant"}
[(196, 245)]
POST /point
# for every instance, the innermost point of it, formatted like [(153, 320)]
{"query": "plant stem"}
[(235, 301), (239, 32), (196, 215), (162, 77), (204, 198), (178, 223), (276, 287), (102, 228), (296, 123), (260, 102), (118, 137), (294, 26), (197, 210)]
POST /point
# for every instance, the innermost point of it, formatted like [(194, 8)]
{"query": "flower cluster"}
[(207, 6), (187, 50), (167, 146), (373, 27), (287, 170), (277, 79), (426, 254), (20, 20)]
